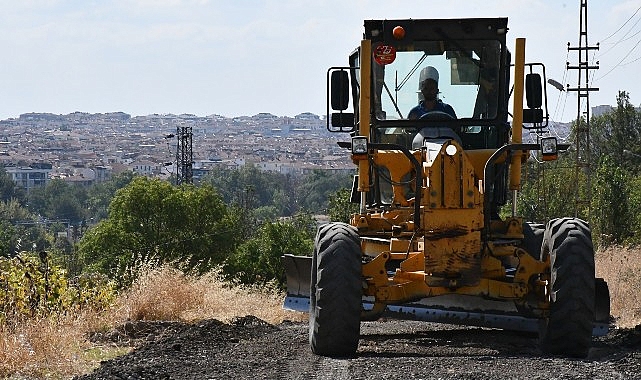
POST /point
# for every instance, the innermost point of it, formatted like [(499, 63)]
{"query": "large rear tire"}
[(568, 328), (336, 291)]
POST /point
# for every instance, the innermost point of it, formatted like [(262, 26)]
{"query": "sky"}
[(243, 57)]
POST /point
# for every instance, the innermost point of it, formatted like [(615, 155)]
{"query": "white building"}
[(600, 110), (146, 168), (30, 177)]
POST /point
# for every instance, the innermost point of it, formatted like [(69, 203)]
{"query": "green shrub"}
[(31, 286), (258, 260)]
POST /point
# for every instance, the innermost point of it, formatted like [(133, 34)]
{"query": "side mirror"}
[(338, 93), (532, 115), (340, 90), (534, 96), (343, 120), (533, 90)]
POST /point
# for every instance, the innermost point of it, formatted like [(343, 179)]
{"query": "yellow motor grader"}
[(437, 170)]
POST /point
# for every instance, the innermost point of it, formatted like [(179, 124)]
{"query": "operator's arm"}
[(415, 113)]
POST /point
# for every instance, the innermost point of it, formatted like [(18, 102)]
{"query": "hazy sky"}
[(240, 57)]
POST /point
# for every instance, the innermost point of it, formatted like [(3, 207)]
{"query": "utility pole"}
[(582, 129), (184, 155)]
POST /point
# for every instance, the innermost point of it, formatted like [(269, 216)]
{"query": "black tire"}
[(568, 329), (336, 291)]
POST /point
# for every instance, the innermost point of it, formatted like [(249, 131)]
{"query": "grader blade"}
[(451, 309), (298, 270)]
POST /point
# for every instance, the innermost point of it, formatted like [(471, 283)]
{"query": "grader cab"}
[(434, 238)]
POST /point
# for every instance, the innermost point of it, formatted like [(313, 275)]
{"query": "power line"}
[(621, 60), (592, 75), (627, 63), (565, 73), (624, 38), (621, 27)]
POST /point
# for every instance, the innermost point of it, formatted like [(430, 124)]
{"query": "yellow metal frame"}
[(517, 115), (448, 242), (364, 110)]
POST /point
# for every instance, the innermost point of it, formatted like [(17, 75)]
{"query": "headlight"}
[(548, 148), (359, 145), (451, 150)]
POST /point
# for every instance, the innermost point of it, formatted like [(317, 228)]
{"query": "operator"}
[(428, 86)]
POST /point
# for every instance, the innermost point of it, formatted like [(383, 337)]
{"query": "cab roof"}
[(436, 29)]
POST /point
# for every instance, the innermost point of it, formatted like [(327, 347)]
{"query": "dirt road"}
[(252, 349)]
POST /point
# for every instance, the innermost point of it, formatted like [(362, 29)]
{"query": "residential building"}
[(30, 177)]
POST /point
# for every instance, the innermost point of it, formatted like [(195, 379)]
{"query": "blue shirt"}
[(420, 110)]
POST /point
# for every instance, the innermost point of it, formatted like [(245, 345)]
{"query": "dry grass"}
[(46, 348), (169, 294), (58, 348), (621, 268)]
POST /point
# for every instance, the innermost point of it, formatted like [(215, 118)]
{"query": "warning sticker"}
[(384, 54)]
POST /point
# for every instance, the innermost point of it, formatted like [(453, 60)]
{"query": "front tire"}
[(568, 328), (336, 291)]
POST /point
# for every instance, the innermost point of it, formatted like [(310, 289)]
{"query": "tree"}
[(100, 195), (59, 200), (617, 165), (634, 204), (288, 194), (153, 221), (547, 190), (611, 216), (19, 230), (258, 260), (340, 206), (7, 239), (251, 188), (12, 210), (314, 192), (8, 188), (615, 169), (612, 136)]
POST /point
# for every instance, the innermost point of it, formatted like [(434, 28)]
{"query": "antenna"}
[(582, 131)]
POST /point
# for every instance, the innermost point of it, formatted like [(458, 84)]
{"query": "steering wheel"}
[(436, 115), (435, 131)]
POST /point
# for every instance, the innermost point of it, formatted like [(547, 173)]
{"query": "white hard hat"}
[(427, 72)]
